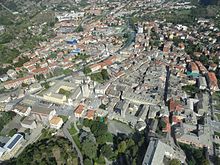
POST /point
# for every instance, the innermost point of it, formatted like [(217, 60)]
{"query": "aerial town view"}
[(110, 82)]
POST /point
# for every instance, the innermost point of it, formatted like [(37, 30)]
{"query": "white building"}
[(22, 110), (13, 142), (42, 114), (12, 73), (4, 77), (85, 90), (202, 83), (56, 122), (69, 16), (28, 123)]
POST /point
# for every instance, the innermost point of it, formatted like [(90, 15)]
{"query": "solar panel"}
[(11, 145)]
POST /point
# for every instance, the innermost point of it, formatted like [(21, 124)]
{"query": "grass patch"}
[(77, 141), (73, 133), (64, 92), (100, 76), (65, 118), (67, 71), (72, 130)]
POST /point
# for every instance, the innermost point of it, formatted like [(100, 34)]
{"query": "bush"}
[(12, 132)]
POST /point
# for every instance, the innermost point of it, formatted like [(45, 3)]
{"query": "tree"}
[(87, 123), (100, 160), (12, 132), (79, 28), (86, 70), (205, 162), (130, 143), (89, 149), (106, 151), (122, 147), (87, 162), (104, 74), (109, 137), (28, 131), (101, 139), (174, 162), (39, 152), (204, 59), (134, 150), (102, 106)]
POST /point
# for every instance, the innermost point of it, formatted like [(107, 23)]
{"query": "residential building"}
[(56, 122), (28, 123), (90, 114), (212, 81), (22, 110), (79, 111), (12, 73), (42, 114), (17, 82)]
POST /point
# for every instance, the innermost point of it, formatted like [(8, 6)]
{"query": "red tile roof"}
[(168, 127), (174, 106), (79, 109), (212, 79), (90, 114)]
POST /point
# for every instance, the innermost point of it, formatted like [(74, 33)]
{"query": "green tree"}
[(130, 143), (87, 123), (109, 137), (106, 151), (12, 132), (79, 28), (174, 162), (89, 149), (122, 147), (134, 150), (100, 160), (102, 106), (87, 162), (101, 139), (204, 59), (104, 74), (205, 162), (86, 70)]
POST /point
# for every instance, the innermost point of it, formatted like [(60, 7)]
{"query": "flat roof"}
[(13, 141), (55, 120)]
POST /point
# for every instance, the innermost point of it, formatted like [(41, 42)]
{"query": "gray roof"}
[(156, 152), (27, 121), (40, 109)]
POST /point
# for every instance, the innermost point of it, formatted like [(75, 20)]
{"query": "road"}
[(67, 135)]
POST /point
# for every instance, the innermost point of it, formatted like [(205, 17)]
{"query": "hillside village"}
[(108, 66)]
